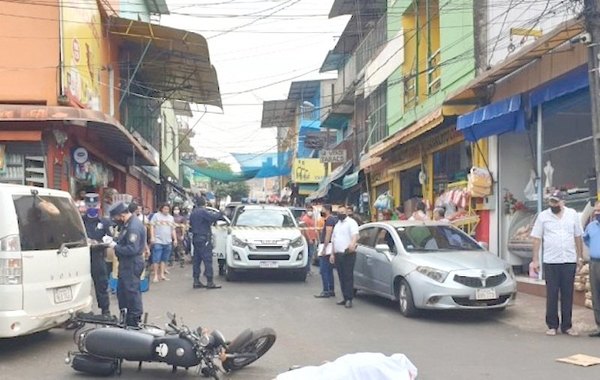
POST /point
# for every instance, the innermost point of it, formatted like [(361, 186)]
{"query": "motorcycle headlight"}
[(237, 242), (297, 243), (434, 274)]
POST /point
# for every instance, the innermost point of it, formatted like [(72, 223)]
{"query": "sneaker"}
[(571, 332), (551, 332)]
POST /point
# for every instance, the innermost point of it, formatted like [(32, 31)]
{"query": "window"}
[(377, 111), (47, 222), (435, 239), (366, 236), (385, 237), (264, 218)]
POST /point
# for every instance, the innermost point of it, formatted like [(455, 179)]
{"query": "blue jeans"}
[(311, 252), (161, 253), (326, 269)]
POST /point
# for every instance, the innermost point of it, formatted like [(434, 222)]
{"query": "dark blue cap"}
[(118, 209), (92, 200)]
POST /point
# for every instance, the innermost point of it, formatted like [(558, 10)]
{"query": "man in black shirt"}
[(325, 266)]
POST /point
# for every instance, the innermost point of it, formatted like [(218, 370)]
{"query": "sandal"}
[(551, 332)]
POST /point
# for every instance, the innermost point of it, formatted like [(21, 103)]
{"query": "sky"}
[(285, 41)]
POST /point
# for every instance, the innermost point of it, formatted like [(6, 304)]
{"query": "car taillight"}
[(10, 244), (11, 271)]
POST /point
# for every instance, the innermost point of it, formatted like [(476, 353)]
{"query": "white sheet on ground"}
[(360, 366)]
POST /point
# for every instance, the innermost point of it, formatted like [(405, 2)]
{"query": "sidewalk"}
[(529, 312)]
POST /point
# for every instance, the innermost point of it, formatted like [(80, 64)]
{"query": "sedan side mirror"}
[(382, 248)]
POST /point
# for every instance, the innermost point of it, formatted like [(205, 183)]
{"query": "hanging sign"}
[(332, 156)]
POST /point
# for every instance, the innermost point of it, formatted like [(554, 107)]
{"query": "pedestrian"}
[(201, 221), (439, 215), (559, 230), (310, 234), (353, 215), (591, 238), (325, 253), (162, 240), (345, 239), (399, 213), (420, 213), (181, 227), (129, 249), (96, 227)]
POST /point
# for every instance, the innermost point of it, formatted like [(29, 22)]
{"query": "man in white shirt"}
[(344, 240), (559, 228)]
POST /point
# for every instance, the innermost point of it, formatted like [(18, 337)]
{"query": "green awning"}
[(350, 180), (221, 175)]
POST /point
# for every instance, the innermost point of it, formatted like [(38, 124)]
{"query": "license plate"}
[(269, 264), (485, 294), (62, 295)]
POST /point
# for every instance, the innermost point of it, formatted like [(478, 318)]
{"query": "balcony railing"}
[(372, 44), (434, 72)]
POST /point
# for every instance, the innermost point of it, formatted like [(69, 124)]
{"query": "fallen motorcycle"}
[(106, 344)]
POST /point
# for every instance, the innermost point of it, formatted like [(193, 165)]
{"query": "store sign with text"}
[(308, 170), (334, 156)]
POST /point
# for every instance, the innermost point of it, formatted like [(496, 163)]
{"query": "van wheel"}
[(405, 300)]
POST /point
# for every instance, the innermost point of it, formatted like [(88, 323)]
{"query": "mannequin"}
[(549, 172)]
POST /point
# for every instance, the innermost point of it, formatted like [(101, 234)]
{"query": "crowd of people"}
[(126, 239)]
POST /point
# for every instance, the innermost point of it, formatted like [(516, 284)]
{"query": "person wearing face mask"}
[(96, 227), (129, 249), (557, 230), (180, 231), (591, 238), (344, 240), (310, 234)]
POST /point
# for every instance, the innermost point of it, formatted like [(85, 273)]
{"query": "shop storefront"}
[(544, 142), (68, 149)]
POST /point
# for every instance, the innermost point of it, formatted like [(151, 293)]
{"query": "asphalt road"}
[(455, 345)]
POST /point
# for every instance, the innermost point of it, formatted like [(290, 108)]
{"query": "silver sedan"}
[(428, 265)]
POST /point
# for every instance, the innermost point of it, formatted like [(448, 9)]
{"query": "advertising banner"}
[(82, 31)]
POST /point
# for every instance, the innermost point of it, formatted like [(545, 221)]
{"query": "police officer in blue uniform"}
[(96, 228), (201, 221), (129, 249)]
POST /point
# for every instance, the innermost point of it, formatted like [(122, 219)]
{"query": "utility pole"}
[(591, 13)]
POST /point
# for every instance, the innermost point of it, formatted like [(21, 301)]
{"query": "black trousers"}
[(100, 278), (203, 254), (595, 282), (560, 280), (345, 267)]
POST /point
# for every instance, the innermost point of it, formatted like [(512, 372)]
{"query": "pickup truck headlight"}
[(434, 274), (237, 242), (297, 243)]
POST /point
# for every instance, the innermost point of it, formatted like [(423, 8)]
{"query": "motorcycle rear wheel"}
[(257, 343)]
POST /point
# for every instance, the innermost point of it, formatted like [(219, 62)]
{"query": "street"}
[(455, 345)]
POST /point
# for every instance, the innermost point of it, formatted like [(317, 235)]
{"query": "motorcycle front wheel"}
[(257, 343)]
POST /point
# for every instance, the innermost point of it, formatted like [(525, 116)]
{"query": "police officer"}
[(96, 228), (201, 220), (129, 249)]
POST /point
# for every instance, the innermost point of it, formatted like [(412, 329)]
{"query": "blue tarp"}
[(265, 164), (574, 81), (503, 116)]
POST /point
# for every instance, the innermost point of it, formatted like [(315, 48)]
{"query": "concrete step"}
[(537, 287)]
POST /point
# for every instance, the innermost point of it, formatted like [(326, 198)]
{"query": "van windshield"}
[(47, 222)]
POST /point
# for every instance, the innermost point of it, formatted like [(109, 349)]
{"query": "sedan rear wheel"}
[(405, 300)]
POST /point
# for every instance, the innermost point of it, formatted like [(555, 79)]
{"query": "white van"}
[(44, 260)]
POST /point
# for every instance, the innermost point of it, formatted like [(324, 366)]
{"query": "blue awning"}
[(497, 118), (573, 81)]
